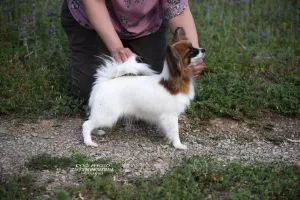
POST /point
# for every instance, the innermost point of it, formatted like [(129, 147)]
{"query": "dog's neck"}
[(175, 83)]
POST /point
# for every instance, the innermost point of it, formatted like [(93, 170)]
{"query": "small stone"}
[(126, 166), (3, 130), (147, 148), (34, 134), (158, 166)]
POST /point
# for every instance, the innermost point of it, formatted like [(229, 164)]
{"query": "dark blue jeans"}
[(86, 45)]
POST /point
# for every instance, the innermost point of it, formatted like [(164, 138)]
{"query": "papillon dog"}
[(156, 98)]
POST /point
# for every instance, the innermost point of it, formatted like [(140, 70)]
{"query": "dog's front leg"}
[(170, 126)]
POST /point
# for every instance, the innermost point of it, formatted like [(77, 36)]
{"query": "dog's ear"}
[(179, 34), (174, 61)]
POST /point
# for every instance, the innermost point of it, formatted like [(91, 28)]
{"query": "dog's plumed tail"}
[(111, 69)]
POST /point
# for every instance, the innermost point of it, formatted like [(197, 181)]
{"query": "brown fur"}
[(180, 76)]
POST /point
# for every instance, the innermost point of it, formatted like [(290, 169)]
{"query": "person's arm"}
[(186, 20), (99, 17)]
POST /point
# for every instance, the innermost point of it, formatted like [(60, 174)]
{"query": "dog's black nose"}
[(202, 50)]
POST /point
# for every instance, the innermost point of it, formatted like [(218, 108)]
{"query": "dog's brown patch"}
[(180, 75)]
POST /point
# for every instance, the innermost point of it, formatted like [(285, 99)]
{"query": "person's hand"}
[(121, 54), (198, 68)]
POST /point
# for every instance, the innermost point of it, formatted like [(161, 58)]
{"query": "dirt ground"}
[(142, 149)]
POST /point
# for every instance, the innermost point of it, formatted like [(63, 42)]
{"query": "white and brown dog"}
[(158, 98)]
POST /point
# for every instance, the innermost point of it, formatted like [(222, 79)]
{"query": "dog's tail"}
[(111, 69)]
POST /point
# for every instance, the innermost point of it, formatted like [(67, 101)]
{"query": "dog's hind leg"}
[(96, 122), (87, 128), (169, 124)]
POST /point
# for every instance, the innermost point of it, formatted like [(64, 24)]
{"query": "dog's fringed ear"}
[(179, 34), (174, 61)]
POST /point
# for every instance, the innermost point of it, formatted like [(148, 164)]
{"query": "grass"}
[(201, 178), (20, 188), (34, 72), (24, 188), (48, 162), (195, 178), (252, 61)]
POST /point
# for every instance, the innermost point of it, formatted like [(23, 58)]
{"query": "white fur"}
[(114, 96)]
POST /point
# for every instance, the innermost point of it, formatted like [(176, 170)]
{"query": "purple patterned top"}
[(132, 18)]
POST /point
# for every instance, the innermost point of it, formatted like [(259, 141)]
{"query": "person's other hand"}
[(198, 68), (121, 54)]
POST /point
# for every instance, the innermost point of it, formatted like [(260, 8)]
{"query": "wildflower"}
[(246, 14), (240, 54), (47, 116), (51, 12), (246, 1), (6, 9), (206, 10), (31, 18), (50, 30), (298, 28), (24, 18), (254, 54), (263, 34)]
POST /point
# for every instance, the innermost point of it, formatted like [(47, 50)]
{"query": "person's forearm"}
[(185, 20), (100, 19)]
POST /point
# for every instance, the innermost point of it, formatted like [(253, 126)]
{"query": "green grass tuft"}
[(20, 188), (48, 162), (195, 178), (200, 178)]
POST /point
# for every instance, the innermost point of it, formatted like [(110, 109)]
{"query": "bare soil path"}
[(142, 150)]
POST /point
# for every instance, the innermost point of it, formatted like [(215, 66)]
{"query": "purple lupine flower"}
[(298, 28), (240, 54), (24, 18), (254, 54), (6, 9), (51, 12), (31, 18), (246, 14), (206, 10), (47, 116), (263, 34), (50, 30)]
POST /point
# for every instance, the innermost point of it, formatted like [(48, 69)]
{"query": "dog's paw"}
[(101, 132), (91, 143), (179, 146)]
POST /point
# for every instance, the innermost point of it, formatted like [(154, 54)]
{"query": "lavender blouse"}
[(132, 18)]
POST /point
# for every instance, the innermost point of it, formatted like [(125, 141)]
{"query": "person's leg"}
[(152, 48), (86, 45)]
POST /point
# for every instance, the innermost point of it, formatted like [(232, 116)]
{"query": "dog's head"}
[(181, 54)]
